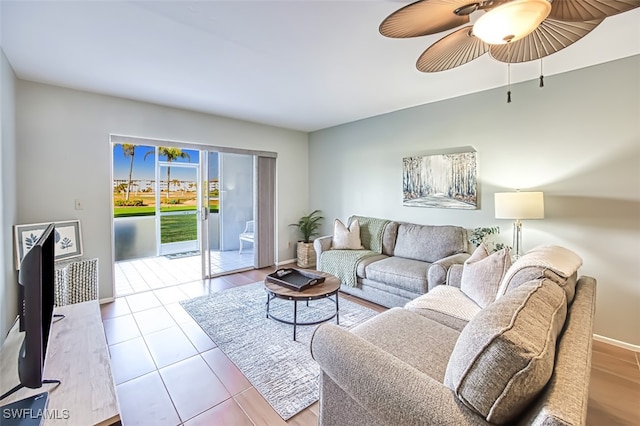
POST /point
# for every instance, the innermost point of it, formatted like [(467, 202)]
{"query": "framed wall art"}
[(68, 239), (442, 181)]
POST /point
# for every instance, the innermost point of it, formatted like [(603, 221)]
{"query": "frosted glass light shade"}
[(511, 21), (519, 205)]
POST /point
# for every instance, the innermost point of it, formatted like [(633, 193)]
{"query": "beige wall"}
[(8, 212), (577, 139), (63, 154)]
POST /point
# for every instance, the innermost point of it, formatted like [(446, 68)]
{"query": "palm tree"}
[(176, 184), (171, 154), (128, 150)]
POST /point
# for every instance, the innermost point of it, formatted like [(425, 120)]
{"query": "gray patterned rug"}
[(279, 368)]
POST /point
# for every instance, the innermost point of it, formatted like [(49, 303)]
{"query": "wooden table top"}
[(330, 285)]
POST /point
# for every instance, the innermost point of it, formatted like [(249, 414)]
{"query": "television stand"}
[(78, 355), (16, 388)]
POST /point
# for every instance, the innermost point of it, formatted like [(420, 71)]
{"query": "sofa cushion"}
[(361, 268), (554, 262), (389, 238), (346, 238), (429, 243), (505, 355), (420, 342), (403, 273), (482, 274)]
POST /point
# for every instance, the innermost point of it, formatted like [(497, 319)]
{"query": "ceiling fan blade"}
[(451, 51), (424, 17), (588, 10), (550, 37)]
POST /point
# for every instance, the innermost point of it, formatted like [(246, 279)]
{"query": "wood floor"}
[(155, 350)]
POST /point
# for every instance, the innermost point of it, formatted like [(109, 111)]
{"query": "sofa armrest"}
[(454, 275), (437, 273), (321, 244), (385, 386)]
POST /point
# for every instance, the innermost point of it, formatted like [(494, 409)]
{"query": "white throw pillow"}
[(346, 239), (482, 274)]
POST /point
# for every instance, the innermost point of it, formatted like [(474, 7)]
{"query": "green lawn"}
[(178, 228), (133, 211), (172, 228), (150, 210)]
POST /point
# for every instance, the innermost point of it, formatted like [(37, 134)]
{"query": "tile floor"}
[(169, 372), (151, 273)]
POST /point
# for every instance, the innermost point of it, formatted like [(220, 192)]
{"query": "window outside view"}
[(134, 188)]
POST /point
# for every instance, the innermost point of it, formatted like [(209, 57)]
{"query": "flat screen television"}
[(35, 309)]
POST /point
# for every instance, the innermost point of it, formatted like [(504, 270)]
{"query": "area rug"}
[(281, 369)]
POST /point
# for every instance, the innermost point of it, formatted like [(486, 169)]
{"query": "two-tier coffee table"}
[(326, 289)]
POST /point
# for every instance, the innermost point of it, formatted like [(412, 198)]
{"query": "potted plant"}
[(308, 226), (481, 235)]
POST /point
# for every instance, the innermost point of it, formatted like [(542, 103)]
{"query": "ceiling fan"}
[(511, 31)]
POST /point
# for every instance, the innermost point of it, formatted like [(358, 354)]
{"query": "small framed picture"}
[(68, 239)]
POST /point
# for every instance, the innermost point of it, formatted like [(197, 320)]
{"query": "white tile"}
[(169, 346), (193, 387)]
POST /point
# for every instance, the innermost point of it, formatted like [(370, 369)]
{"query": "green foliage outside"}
[(128, 203)]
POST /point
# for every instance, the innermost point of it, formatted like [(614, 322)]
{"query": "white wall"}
[(64, 154), (577, 139), (8, 212)]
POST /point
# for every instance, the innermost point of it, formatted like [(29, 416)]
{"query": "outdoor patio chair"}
[(247, 234)]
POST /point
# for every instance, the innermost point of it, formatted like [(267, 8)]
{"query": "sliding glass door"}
[(208, 211), (228, 231)]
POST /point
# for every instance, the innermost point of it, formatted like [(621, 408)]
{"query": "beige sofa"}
[(411, 260), (523, 359)]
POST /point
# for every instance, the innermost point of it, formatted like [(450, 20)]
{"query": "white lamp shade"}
[(511, 21), (519, 205)]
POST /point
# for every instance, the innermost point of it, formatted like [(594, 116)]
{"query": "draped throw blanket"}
[(371, 232), (343, 263)]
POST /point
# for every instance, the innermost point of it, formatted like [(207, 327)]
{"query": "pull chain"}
[(541, 75), (508, 73)]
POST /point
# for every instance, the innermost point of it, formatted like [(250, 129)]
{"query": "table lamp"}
[(519, 206)]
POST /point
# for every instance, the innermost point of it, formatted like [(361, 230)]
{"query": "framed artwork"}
[(68, 239), (443, 181)]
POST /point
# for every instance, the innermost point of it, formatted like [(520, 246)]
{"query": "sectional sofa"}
[(455, 357)]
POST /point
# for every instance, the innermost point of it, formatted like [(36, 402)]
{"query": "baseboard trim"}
[(284, 262), (618, 343)]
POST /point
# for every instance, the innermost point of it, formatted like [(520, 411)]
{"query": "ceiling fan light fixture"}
[(511, 21)]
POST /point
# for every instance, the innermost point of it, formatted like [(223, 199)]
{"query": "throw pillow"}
[(505, 355), (346, 238), (482, 274)]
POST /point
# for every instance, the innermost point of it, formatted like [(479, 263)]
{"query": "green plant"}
[(481, 235), (128, 203), (309, 225)]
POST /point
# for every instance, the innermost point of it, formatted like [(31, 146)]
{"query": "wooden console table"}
[(78, 356)]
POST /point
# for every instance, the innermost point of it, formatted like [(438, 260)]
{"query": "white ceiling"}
[(300, 64)]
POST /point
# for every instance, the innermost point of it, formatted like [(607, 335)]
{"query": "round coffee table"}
[(328, 288)]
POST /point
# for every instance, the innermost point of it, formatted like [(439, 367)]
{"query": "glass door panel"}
[(177, 208), (229, 210)]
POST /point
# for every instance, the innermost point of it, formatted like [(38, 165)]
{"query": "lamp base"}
[(517, 240)]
